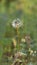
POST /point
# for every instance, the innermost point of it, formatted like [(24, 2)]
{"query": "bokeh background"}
[(25, 10)]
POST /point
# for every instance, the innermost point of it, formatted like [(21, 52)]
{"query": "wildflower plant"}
[(16, 24), (21, 47)]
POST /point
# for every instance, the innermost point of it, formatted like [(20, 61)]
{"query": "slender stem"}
[(18, 38)]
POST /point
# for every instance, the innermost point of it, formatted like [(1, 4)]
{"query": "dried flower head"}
[(28, 38), (34, 51), (23, 40), (31, 52), (16, 23)]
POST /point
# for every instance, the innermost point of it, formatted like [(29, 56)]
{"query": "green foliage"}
[(9, 12)]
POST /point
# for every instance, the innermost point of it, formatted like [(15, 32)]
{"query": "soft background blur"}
[(26, 10)]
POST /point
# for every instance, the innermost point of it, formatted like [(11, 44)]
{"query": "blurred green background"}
[(25, 10)]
